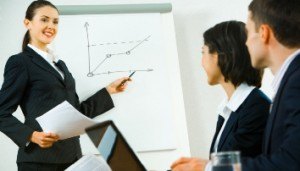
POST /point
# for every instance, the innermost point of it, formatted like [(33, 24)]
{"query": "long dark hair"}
[(228, 40), (30, 13)]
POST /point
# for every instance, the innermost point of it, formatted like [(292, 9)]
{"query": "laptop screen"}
[(113, 147)]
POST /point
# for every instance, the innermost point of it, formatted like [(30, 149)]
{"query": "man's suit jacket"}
[(245, 127), (281, 149), (31, 82)]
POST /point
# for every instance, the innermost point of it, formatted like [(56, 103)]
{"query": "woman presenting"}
[(37, 81)]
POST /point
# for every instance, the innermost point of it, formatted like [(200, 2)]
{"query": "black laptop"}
[(113, 147)]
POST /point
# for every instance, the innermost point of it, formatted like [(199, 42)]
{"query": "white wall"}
[(192, 18)]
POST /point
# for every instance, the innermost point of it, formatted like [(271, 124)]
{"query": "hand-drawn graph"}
[(85, 41), (105, 59)]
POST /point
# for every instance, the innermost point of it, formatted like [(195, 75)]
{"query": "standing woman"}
[(37, 81), (243, 113)]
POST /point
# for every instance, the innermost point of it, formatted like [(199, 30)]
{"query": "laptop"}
[(113, 147)]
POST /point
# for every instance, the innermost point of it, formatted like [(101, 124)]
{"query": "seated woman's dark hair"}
[(228, 40)]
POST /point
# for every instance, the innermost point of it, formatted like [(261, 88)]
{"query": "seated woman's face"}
[(210, 65)]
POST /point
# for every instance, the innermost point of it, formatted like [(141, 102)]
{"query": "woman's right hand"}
[(44, 140), (118, 86)]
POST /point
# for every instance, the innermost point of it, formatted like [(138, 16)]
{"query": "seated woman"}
[(243, 114)]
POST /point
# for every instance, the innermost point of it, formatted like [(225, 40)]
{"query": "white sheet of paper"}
[(91, 163), (65, 120)]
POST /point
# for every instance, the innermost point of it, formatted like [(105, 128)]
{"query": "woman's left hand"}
[(118, 86)]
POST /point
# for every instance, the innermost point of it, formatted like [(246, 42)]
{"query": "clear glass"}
[(226, 161)]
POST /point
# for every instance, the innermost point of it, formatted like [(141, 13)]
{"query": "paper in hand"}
[(65, 120)]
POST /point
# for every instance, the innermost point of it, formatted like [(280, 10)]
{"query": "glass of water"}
[(226, 161)]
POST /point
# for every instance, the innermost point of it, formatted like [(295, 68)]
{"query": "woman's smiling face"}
[(43, 26)]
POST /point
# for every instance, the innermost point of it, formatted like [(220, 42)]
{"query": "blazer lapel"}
[(228, 127), (213, 143), (66, 72), (220, 123), (293, 66), (42, 63)]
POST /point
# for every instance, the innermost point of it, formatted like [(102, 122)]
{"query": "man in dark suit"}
[(274, 41)]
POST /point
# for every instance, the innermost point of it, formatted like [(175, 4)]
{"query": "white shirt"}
[(227, 107), (49, 57), (279, 75)]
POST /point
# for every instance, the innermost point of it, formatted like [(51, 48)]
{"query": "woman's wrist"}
[(109, 90)]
